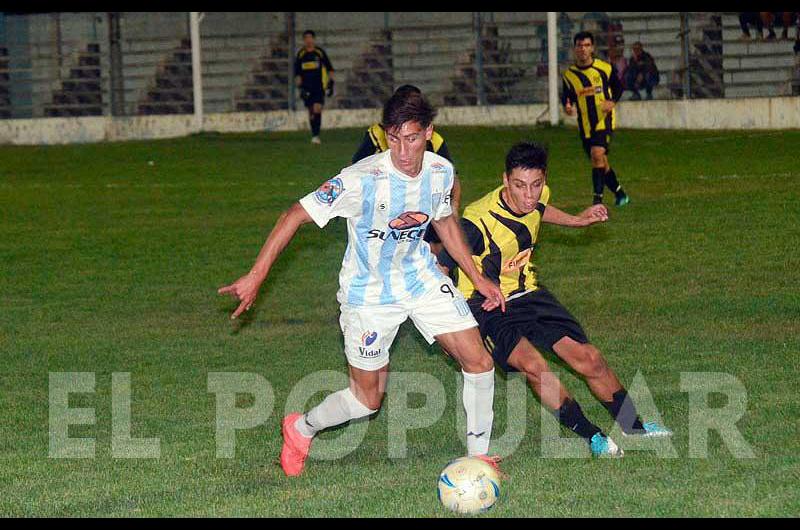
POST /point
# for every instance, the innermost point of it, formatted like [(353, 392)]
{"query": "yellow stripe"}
[(577, 87), (378, 136), (436, 141)]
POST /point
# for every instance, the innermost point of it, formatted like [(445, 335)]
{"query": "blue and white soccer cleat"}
[(603, 446), (651, 430)]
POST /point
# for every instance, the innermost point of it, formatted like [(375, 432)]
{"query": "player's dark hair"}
[(526, 155), (403, 108), (583, 35), (408, 89), (310, 32)]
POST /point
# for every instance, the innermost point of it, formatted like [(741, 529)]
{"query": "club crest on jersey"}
[(330, 191)]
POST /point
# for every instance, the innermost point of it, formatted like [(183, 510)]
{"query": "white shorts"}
[(370, 330)]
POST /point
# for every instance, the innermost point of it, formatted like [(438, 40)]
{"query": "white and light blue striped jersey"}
[(387, 214)]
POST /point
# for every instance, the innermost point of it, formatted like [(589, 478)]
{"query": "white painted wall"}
[(710, 114)]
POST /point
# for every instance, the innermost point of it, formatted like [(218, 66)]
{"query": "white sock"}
[(478, 402), (335, 409)]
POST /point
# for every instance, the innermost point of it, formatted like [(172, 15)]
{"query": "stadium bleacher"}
[(246, 59)]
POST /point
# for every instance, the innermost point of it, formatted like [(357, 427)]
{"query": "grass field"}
[(110, 264)]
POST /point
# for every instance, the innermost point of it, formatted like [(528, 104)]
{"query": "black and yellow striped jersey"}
[(313, 67), (502, 244), (375, 142), (587, 87)]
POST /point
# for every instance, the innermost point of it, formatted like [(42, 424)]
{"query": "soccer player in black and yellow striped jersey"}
[(314, 77), (502, 229), (592, 88)]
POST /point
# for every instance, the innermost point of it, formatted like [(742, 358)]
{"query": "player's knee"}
[(593, 364), (532, 368), (372, 400), (478, 364)]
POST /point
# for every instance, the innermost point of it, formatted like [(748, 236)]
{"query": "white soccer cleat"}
[(315, 140)]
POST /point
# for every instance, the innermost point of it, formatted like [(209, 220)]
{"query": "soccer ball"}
[(468, 485)]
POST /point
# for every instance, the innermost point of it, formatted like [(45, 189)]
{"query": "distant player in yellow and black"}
[(314, 77), (502, 229), (374, 142), (592, 88)]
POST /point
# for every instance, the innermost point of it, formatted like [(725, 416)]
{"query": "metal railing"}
[(122, 64)]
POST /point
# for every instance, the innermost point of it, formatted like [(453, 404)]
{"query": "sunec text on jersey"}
[(387, 214)]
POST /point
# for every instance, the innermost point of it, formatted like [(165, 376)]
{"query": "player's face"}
[(584, 51), (523, 189), (407, 145), (308, 41)]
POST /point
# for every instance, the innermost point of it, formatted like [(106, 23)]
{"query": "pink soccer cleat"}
[(295, 447), (493, 461)]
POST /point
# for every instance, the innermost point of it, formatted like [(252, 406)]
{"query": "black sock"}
[(571, 416), (316, 124), (597, 180), (624, 412), (612, 182)]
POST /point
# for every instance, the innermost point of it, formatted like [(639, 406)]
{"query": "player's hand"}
[(329, 92), (494, 296), (245, 289), (607, 106), (569, 108), (595, 214)]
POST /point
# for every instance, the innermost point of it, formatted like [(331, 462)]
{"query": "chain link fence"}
[(126, 64)]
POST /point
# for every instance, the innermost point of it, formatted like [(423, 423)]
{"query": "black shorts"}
[(316, 95), (431, 235), (598, 139), (537, 316)]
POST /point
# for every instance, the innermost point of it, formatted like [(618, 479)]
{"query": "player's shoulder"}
[(437, 162), (370, 168), (546, 194), (602, 65), (320, 50), (477, 210)]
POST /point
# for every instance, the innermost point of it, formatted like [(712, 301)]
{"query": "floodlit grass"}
[(110, 264)]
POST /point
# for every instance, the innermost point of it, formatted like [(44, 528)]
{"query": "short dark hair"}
[(408, 89), (583, 35), (402, 108), (310, 32), (526, 155)]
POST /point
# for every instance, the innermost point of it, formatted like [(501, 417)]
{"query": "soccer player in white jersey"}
[(388, 275)]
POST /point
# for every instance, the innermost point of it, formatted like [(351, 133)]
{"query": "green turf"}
[(110, 264)]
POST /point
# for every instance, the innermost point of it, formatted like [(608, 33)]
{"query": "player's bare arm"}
[(245, 289), (452, 238), (594, 214)]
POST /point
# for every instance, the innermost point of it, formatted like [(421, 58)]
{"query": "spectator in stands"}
[(751, 18), (642, 73), (787, 19), (616, 56)]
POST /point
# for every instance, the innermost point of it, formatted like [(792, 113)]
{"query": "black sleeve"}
[(567, 92), (298, 68), (326, 61), (367, 148), (615, 84), (445, 152), (474, 242)]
